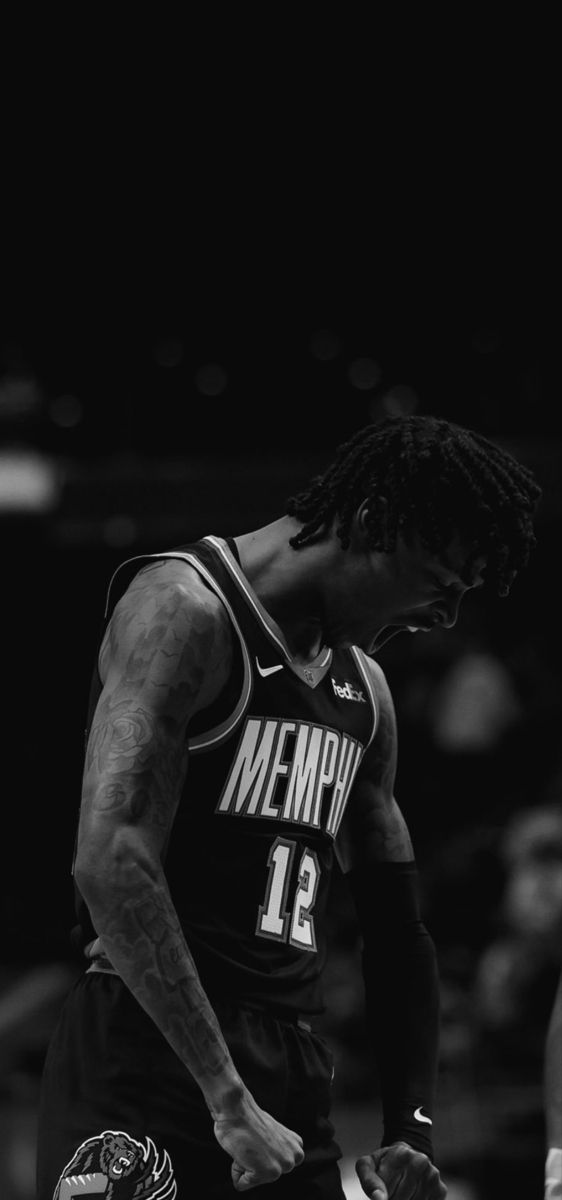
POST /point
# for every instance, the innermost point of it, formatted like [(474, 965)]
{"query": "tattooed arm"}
[(399, 969), (166, 655)]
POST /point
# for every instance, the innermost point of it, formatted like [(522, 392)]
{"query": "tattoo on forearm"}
[(143, 939)]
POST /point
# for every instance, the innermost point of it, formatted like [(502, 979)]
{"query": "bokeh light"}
[(364, 374), (211, 379), (21, 396), (29, 482), (400, 400)]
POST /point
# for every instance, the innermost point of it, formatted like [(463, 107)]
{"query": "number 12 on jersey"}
[(275, 918)]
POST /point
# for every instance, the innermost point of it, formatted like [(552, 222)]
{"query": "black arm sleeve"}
[(402, 998)]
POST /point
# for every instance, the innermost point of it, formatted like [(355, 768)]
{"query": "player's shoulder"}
[(167, 605), (173, 584)]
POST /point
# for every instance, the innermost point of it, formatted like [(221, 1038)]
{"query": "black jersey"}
[(271, 765)]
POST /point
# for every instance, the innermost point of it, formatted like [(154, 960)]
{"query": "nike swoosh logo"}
[(268, 670), (420, 1117)]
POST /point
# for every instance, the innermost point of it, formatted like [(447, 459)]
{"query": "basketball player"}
[(241, 735)]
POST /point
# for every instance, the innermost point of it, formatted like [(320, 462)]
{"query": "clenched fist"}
[(397, 1172), (260, 1147)]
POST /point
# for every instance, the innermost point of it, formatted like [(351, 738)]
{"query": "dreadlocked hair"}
[(427, 477)]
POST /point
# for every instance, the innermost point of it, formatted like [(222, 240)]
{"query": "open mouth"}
[(384, 635), (121, 1165), (389, 631)]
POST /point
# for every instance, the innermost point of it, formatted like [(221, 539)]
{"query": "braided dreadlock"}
[(425, 476)]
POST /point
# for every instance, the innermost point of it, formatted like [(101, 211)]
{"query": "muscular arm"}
[(399, 962), (165, 655)]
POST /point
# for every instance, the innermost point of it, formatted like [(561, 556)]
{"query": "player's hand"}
[(399, 1173), (260, 1147)]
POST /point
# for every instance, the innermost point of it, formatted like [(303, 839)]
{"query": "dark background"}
[(204, 230)]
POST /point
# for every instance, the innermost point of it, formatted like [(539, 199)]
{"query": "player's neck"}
[(284, 584)]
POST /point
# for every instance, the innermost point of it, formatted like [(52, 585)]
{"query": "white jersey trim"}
[(273, 632), (365, 668)]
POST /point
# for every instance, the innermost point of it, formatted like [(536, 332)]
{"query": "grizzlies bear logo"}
[(116, 1166)]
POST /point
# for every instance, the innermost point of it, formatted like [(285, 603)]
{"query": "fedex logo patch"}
[(347, 692)]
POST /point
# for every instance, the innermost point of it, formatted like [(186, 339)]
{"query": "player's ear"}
[(365, 507), (359, 525), (362, 513), (360, 529)]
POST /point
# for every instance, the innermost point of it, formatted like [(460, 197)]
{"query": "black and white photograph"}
[(280, 506)]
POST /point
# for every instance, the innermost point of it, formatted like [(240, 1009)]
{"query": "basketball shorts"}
[(120, 1115)]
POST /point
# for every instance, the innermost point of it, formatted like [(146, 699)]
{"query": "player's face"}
[(412, 589)]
